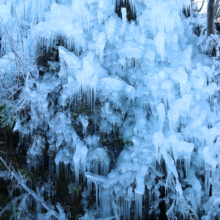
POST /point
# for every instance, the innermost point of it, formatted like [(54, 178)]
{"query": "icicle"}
[(85, 122), (161, 115), (114, 208), (158, 141), (138, 206), (171, 212), (139, 191), (98, 158), (209, 159), (181, 78), (76, 159), (101, 45), (84, 151), (94, 87), (97, 194), (124, 19), (89, 185), (160, 44), (80, 12)]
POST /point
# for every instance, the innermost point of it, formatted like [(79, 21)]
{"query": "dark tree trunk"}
[(210, 17)]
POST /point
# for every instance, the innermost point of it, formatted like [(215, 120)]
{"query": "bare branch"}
[(195, 3), (199, 10)]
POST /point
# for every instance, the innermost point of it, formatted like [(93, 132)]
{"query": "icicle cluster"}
[(126, 106)]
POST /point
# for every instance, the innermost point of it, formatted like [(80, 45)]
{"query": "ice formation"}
[(102, 78)]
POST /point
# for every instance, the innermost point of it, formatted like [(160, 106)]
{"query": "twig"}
[(11, 41), (19, 25), (4, 83), (198, 10), (8, 206), (3, 151), (15, 92), (21, 182)]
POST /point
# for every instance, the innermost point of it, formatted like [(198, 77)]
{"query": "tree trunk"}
[(210, 17)]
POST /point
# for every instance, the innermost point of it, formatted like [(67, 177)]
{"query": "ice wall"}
[(141, 82)]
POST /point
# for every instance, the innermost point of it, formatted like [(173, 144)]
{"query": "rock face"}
[(116, 115)]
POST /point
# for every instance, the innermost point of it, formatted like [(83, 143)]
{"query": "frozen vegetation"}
[(122, 97)]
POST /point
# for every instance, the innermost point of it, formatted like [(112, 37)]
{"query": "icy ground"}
[(102, 76)]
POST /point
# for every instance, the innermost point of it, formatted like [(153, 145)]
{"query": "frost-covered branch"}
[(11, 203), (4, 84), (21, 35), (10, 40), (20, 67), (21, 181)]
